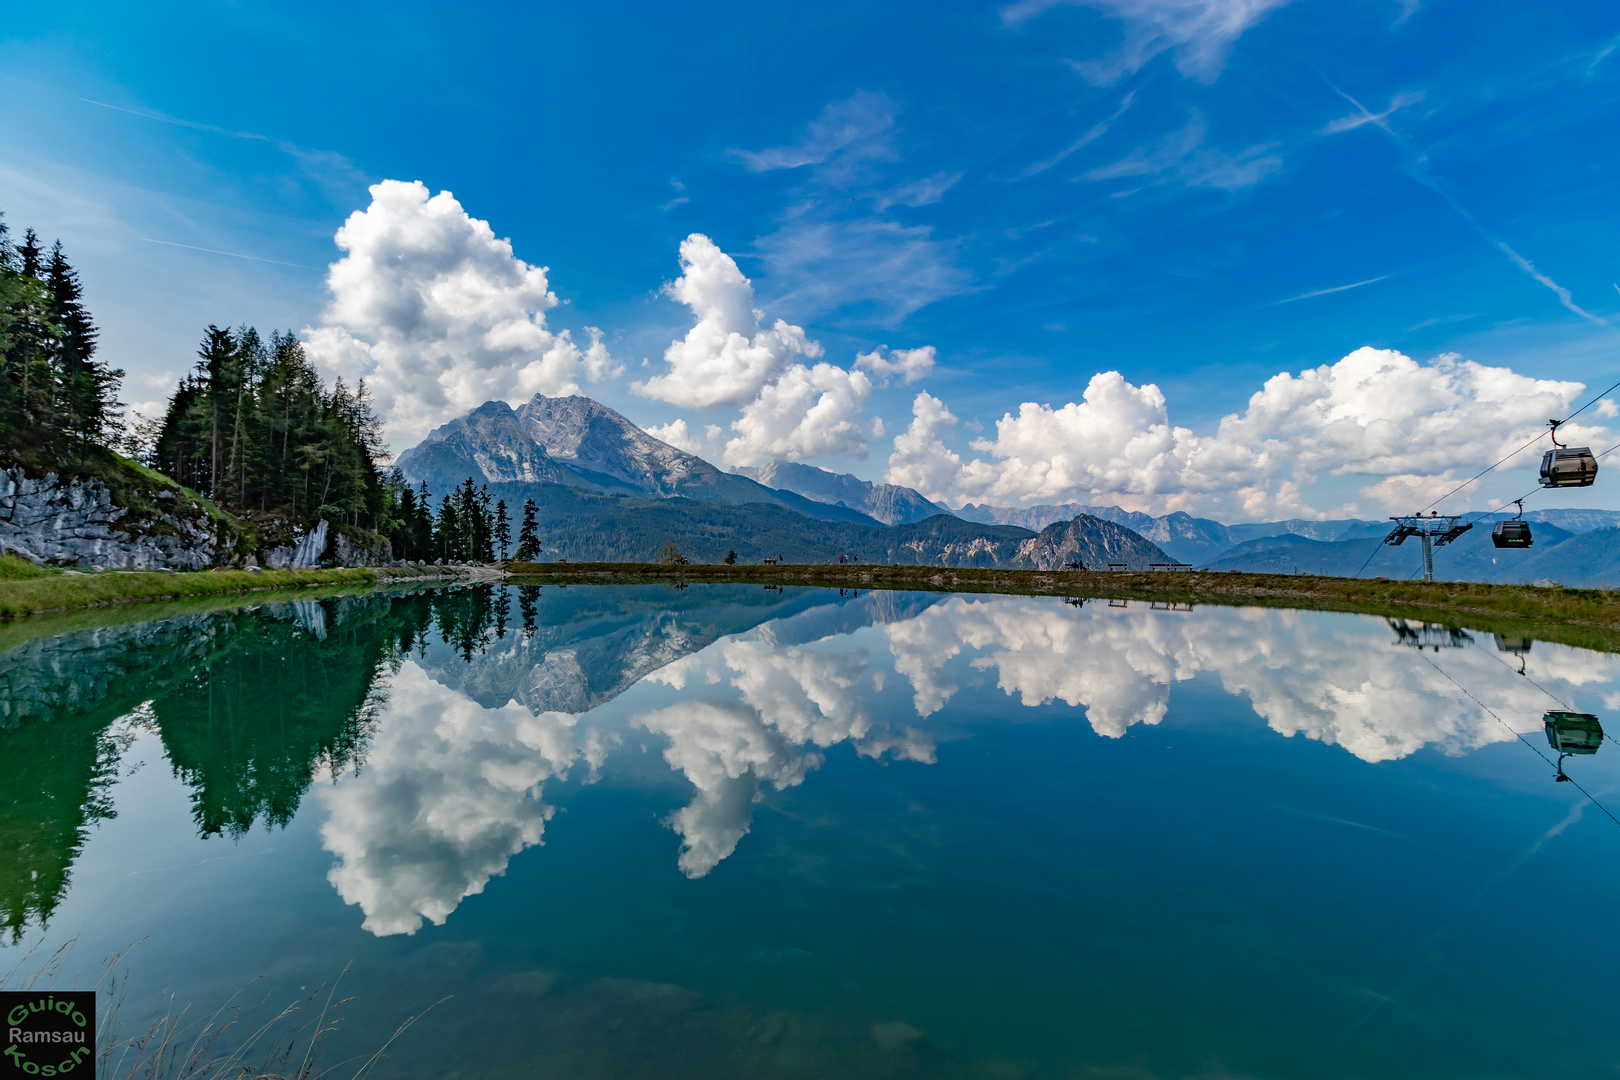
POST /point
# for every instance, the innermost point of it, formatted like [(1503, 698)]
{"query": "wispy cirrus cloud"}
[(924, 192), (325, 166), (831, 250), (820, 263), (1183, 156), (855, 128), (1201, 33)]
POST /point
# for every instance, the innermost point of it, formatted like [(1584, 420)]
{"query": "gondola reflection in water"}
[(1572, 734)]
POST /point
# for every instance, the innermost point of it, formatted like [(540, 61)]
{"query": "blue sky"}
[(1195, 194)]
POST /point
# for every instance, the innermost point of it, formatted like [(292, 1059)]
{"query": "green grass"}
[(17, 568), (61, 592)]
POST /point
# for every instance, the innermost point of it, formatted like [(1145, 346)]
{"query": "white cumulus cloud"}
[(726, 357), (439, 316), (805, 413), (907, 365), (678, 435), (1375, 412)]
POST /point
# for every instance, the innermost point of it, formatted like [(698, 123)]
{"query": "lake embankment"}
[(29, 590), (1588, 618)]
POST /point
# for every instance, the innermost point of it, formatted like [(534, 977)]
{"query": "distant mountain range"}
[(888, 503), (1584, 560), (609, 491)]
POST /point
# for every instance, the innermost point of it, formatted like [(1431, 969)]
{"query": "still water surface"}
[(733, 831)]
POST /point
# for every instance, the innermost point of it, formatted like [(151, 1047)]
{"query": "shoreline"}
[(55, 593), (1587, 618)]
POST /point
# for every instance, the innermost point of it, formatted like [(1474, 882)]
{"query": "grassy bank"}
[(29, 590), (1589, 618)]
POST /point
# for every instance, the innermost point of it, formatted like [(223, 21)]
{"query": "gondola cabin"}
[(1512, 534), (1573, 732), (1570, 466)]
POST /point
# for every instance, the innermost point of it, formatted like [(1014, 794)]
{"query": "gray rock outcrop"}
[(324, 544), (77, 523)]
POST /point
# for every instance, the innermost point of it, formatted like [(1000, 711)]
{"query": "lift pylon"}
[(1434, 530)]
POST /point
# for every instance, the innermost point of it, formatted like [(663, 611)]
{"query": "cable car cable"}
[(1523, 448), (1483, 514), (1518, 736), (1482, 472)]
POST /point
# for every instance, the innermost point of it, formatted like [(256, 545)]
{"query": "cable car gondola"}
[(1513, 533), (1567, 466)]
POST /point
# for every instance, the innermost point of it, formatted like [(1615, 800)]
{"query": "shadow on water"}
[(253, 704)]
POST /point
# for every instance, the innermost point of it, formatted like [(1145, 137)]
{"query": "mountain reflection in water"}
[(439, 719)]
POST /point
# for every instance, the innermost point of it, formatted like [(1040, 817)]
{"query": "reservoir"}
[(733, 831)]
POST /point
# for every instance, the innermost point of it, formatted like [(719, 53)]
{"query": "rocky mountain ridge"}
[(1092, 542), (580, 443), (889, 503)]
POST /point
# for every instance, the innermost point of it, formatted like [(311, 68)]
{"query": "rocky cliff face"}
[(79, 523), (323, 544), (76, 523)]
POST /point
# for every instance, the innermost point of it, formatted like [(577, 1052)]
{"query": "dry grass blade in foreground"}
[(174, 1046)]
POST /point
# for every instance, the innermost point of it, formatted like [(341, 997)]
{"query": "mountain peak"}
[(588, 434), (578, 442)]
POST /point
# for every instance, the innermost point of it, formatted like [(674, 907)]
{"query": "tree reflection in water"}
[(251, 705)]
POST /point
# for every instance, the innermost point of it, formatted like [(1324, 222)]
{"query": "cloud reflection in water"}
[(452, 789)]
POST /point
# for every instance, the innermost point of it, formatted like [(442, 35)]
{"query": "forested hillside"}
[(580, 526), (254, 428)]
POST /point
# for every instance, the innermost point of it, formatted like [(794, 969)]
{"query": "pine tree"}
[(87, 390), (32, 255), (447, 532), (503, 529), (485, 551), (528, 548)]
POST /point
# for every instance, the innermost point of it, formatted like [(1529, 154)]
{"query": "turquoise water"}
[(732, 831)]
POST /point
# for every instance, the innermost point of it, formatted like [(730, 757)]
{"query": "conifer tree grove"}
[(254, 428), (56, 398)]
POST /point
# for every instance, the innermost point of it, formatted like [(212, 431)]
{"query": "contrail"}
[(1336, 288), (1416, 170), (181, 123), (232, 254)]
